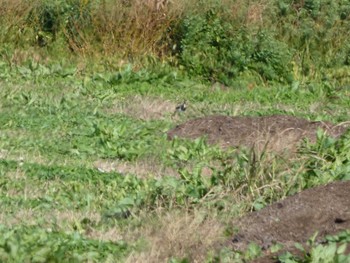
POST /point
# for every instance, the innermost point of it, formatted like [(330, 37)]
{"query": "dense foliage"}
[(225, 41)]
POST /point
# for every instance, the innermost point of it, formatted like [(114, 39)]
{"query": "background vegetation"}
[(225, 41), (86, 171)]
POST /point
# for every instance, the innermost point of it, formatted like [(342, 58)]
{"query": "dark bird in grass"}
[(180, 108)]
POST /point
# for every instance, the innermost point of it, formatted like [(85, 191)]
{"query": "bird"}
[(180, 108)]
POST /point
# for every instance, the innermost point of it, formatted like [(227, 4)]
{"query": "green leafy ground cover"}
[(57, 205), (87, 92)]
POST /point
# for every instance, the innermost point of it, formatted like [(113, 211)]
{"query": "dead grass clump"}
[(178, 235), (135, 27)]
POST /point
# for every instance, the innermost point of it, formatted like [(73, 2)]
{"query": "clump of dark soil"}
[(325, 209), (277, 132)]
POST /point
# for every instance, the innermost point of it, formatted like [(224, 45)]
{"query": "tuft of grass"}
[(177, 235)]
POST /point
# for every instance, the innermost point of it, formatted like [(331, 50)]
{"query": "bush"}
[(212, 48), (69, 17)]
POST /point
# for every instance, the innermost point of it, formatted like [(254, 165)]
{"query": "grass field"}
[(87, 173)]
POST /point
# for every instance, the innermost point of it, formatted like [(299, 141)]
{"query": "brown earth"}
[(325, 209), (277, 132)]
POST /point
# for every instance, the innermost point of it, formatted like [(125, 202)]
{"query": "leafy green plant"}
[(33, 244), (212, 48), (184, 151), (332, 252), (124, 140), (328, 159)]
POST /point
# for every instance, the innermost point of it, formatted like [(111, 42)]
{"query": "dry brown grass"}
[(14, 10), (13, 20), (142, 168), (3, 153), (60, 218), (35, 156), (135, 27), (28, 192), (178, 234), (255, 12), (15, 175), (145, 108), (156, 108), (249, 13)]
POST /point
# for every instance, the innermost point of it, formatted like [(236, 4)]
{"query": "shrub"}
[(316, 29), (214, 49), (71, 18)]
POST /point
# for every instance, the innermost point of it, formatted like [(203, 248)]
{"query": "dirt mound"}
[(277, 132), (325, 209)]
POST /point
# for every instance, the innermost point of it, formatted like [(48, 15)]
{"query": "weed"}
[(329, 160), (330, 252), (38, 245)]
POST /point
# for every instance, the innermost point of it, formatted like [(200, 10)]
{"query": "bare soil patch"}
[(277, 133), (324, 209)]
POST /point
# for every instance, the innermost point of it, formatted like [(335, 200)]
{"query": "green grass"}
[(87, 93), (57, 127)]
